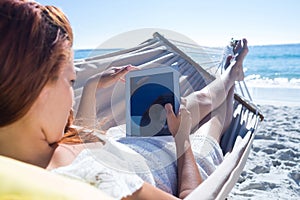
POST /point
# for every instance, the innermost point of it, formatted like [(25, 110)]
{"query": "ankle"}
[(228, 79)]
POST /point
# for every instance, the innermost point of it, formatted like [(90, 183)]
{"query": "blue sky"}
[(207, 22)]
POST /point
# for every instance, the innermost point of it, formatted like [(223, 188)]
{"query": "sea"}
[(274, 62), (272, 72)]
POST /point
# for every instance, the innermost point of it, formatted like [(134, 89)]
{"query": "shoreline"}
[(263, 93)]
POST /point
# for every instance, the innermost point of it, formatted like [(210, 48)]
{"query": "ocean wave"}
[(256, 80)]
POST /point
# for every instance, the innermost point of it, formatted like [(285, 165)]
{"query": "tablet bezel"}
[(148, 72)]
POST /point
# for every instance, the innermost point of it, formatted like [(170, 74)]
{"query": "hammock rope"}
[(160, 51)]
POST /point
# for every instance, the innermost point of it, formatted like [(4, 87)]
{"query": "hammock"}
[(158, 51)]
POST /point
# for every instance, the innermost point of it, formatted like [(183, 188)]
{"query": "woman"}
[(36, 96)]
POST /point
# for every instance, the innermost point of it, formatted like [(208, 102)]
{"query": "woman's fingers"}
[(172, 120), (112, 75), (120, 72), (180, 123)]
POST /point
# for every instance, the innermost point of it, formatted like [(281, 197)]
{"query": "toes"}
[(245, 42), (244, 51), (245, 46), (238, 47)]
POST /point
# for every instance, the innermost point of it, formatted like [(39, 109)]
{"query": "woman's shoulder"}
[(65, 154)]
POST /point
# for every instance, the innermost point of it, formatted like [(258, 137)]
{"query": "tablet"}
[(147, 92)]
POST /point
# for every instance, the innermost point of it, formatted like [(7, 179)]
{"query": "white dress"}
[(120, 167)]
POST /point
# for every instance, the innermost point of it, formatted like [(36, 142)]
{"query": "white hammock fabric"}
[(158, 51)]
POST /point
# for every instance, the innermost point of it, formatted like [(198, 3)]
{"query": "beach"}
[(272, 170)]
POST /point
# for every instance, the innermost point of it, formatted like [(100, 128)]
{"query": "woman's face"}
[(55, 103)]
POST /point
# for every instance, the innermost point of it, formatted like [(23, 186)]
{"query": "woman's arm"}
[(188, 173), (149, 192), (86, 114)]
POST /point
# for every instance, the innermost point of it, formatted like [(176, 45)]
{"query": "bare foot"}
[(236, 65), (241, 50), (238, 47)]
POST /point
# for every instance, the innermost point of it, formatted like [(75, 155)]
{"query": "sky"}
[(207, 22)]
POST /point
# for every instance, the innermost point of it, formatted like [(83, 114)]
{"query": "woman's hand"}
[(86, 113), (109, 76), (180, 125), (187, 170)]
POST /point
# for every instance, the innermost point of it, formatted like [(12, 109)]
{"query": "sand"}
[(272, 170)]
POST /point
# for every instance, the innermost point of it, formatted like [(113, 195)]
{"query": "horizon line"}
[(274, 44)]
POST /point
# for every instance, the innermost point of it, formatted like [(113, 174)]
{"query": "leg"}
[(201, 103), (217, 122), (229, 109)]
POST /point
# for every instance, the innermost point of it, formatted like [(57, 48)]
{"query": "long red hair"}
[(35, 41), (75, 136)]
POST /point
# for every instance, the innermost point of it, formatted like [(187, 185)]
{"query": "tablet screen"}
[(148, 96)]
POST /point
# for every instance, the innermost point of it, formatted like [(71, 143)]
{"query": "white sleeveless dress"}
[(120, 167)]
